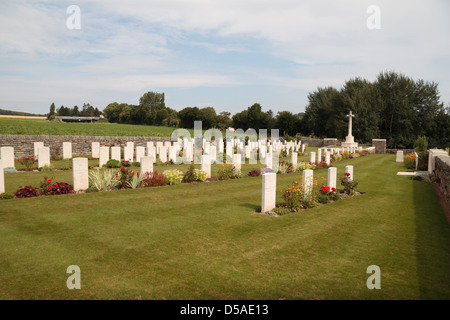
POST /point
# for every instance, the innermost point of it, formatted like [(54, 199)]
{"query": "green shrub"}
[(103, 179), (174, 176), (6, 196), (113, 163), (189, 175), (199, 175)]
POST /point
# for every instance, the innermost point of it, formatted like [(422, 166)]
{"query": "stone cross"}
[(350, 116)]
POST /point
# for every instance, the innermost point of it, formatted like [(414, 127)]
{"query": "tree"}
[(51, 114), (187, 117)]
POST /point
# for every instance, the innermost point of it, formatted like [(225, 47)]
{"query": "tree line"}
[(393, 107), (86, 111)]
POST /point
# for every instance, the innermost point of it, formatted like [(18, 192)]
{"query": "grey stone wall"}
[(81, 145), (442, 174)]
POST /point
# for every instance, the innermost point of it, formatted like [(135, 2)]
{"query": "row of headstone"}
[(269, 184)]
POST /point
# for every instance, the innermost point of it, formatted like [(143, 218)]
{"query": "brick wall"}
[(442, 174)]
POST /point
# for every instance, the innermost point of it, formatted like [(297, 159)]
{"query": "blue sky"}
[(226, 54)]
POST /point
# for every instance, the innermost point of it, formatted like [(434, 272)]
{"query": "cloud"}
[(130, 46)]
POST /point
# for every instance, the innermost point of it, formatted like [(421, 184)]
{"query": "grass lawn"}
[(18, 126), (205, 241)]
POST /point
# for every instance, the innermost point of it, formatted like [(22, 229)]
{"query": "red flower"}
[(56, 184), (59, 190), (121, 168), (31, 158), (49, 187), (333, 189), (18, 160), (132, 173), (325, 188), (347, 174), (49, 180)]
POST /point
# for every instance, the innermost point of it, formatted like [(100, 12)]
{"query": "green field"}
[(13, 126), (207, 241)]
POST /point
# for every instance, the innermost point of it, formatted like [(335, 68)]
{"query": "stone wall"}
[(312, 142), (442, 174), (380, 145), (81, 145), (394, 151)]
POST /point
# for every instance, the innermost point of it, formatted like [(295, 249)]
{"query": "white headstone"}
[(128, 152), (416, 158), (399, 157), (349, 169), (319, 155), (104, 156), (116, 153), (269, 188), (332, 176), (2, 178), (146, 165), (294, 157), (237, 161), (327, 158), (67, 150), (206, 165), (213, 154), (163, 154), (95, 150), (7, 156), (151, 152), (43, 157), (303, 148), (173, 153), (312, 157), (37, 145), (140, 152), (80, 174), (308, 181)]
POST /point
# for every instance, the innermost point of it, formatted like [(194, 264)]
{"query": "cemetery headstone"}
[(269, 186), (67, 150), (43, 157), (80, 174), (7, 156), (103, 157), (95, 150), (332, 176)]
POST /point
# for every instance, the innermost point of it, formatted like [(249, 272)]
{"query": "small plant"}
[(199, 175), (225, 171), (410, 161), (113, 163), (6, 196), (135, 181), (103, 179), (174, 176), (285, 167), (45, 168), (189, 175), (154, 179), (326, 194), (254, 173), (349, 184), (125, 163), (28, 162), (26, 192)]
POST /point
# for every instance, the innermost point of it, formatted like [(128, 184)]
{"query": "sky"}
[(225, 54)]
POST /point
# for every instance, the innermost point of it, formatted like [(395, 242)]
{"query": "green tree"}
[(51, 114)]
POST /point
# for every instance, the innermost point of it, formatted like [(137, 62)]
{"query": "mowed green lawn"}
[(206, 241), (21, 126)]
